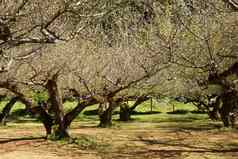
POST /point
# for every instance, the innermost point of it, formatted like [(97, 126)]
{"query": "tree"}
[(207, 52), (126, 110), (6, 110)]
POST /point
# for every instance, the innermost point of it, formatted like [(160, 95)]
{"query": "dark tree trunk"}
[(125, 114), (126, 111), (151, 104), (230, 103), (70, 116), (233, 120), (60, 131), (44, 117), (214, 113), (30, 107), (230, 95), (47, 122), (105, 115), (225, 116), (6, 110)]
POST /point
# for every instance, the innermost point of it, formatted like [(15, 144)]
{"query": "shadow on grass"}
[(198, 112), (178, 118), (145, 113), (173, 153), (187, 147), (7, 140), (19, 120), (179, 111), (91, 112), (95, 112), (19, 112), (184, 111), (94, 126), (21, 116), (192, 127), (199, 127)]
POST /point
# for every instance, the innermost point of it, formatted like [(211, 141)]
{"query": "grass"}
[(90, 142), (148, 135), (144, 113), (16, 107)]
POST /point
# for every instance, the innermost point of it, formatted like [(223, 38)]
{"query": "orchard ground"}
[(184, 134)]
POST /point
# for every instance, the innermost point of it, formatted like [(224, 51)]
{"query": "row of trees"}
[(108, 52)]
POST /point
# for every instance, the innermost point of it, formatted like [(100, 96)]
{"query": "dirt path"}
[(132, 141)]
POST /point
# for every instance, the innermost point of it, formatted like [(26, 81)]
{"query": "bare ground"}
[(129, 141)]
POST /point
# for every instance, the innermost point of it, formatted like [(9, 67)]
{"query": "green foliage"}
[(40, 96)]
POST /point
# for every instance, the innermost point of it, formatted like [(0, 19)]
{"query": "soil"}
[(128, 141)]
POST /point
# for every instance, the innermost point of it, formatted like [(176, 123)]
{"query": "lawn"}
[(152, 136)]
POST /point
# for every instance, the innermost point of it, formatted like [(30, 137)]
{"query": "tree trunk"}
[(105, 115), (6, 110), (216, 105), (230, 102), (126, 111), (44, 117), (60, 131), (47, 122), (125, 114), (30, 106), (225, 116), (70, 116), (233, 119), (214, 114)]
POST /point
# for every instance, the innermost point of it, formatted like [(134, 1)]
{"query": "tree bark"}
[(230, 103), (125, 111), (60, 131), (70, 116), (216, 106), (225, 116), (125, 114), (6, 110), (105, 115), (139, 101), (44, 117), (30, 106)]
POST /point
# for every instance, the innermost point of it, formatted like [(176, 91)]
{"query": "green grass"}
[(159, 128), (16, 107), (163, 106)]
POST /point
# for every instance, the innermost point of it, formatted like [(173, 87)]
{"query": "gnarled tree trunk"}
[(126, 111), (60, 131), (6, 110), (105, 114), (230, 104), (44, 117), (70, 116)]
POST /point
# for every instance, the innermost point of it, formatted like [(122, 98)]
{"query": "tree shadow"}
[(8, 140), (186, 147), (145, 113), (171, 153), (86, 126), (179, 111), (193, 127)]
